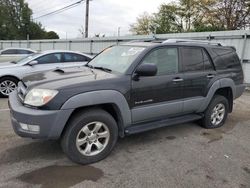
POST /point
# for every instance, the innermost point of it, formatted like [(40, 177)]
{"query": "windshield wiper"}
[(103, 68), (14, 62), (100, 68)]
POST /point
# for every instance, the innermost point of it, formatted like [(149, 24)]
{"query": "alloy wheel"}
[(7, 86), (92, 139)]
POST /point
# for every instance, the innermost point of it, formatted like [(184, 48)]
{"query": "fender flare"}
[(98, 98), (221, 83)]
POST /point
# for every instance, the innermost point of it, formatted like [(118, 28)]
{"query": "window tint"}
[(192, 59), (166, 60), (51, 58), (207, 63), (24, 52), (70, 57), (10, 51), (226, 58)]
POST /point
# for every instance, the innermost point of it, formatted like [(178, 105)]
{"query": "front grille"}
[(21, 90)]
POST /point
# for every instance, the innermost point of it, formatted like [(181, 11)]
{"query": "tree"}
[(232, 14), (143, 25), (51, 35), (167, 20), (16, 23), (195, 15)]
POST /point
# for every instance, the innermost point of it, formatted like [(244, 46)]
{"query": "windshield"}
[(28, 58), (117, 58)]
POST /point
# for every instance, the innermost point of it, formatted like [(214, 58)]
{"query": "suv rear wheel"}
[(216, 113), (90, 136)]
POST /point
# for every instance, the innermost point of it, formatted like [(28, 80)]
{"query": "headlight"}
[(39, 97)]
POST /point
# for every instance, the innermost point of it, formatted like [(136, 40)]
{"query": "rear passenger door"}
[(198, 73)]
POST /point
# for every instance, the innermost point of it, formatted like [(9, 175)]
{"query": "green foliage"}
[(52, 35), (143, 25), (195, 16), (166, 20), (16, 23)]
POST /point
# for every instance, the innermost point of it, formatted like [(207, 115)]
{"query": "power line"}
[(61, 9)]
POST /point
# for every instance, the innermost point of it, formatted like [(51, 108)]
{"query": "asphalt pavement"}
[(184, 155)]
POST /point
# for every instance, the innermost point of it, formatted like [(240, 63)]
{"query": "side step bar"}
[(142, 127)]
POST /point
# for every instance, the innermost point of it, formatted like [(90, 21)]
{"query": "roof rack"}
[(147, 40), (191, 41)]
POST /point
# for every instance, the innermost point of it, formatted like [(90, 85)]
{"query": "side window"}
[(207, 63), (50, 58), (70, 57), (24, 52), (192, 59), (166, 60), (10, 51), (227, 58)]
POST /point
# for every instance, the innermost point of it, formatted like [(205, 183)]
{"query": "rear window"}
[(9, 52)]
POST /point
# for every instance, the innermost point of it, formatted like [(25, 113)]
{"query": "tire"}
[(7, 85), (213, 115), (77, 133)]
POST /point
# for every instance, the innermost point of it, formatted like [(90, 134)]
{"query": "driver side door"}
[(158, 96)]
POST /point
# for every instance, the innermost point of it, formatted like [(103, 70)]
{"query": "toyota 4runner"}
[(127, 89)]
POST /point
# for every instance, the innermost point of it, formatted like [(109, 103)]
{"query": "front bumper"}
[(50, 122)]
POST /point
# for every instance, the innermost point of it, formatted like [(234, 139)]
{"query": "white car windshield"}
[(28, 58), (116, 58)]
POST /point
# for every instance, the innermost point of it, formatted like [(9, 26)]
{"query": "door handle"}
[(178, 80), (209, 76)]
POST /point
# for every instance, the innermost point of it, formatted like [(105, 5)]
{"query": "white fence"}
[(239, 39)]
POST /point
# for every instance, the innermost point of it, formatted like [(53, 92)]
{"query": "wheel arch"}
[(109, 100), (225, 87), (10, 76)]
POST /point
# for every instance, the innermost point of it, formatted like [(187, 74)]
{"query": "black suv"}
[(127, 89)]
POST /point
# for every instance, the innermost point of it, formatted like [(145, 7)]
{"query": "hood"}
[(65, 78), (8, 65)]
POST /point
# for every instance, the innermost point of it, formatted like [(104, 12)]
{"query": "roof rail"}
[(191, 41), (147, 40)]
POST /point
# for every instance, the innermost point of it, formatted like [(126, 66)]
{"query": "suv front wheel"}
[(216, 113), (90, 136)]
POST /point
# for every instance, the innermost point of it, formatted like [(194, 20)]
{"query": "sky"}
[(106, 16)]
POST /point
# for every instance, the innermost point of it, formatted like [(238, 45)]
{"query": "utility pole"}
[(118, 31), (87, 20)]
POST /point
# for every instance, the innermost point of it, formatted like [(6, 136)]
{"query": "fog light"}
[(34, 128), (24, 126), (31, 128)]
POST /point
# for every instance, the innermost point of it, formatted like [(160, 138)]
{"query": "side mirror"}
[(146, 70), (33, 63)]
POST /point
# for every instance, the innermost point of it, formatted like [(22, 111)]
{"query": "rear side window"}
[(70, 57), (195, 59), (24, 52), (226, 58), (166, 60), (192, 59), (10, 51), (207, 62)]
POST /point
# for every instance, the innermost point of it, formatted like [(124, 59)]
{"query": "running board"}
[(142, 127)]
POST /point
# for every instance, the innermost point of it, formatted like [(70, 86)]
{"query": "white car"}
[(12, 72), (14, 54)]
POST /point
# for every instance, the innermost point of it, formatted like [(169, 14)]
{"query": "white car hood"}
[(8, 65)]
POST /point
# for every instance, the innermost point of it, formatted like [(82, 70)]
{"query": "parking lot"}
[(179, 156)]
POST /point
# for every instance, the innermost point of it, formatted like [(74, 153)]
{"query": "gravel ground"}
[(179, 156)]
